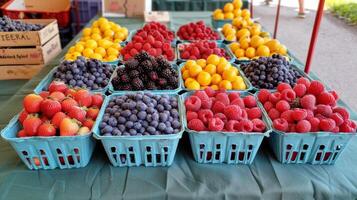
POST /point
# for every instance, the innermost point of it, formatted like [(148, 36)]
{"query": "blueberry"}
[(168, 124), (108, 129), (162, 126), (176, 124), (160, 108), (151, 130), (174, 113), (145, 124), (169, 130), (132, 132), (129, 124), (121, 127), (102, 125), (137, 126), (141, 106), (126, 113), (133, 118), (112, 121), (154, 123), (149, 118), (171, 119), (142, 115), (121, 120), (155, 116), (116, 131)]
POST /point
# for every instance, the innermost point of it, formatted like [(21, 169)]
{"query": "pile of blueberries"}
[(9, 25), (141, 114), (91, 74), (268, 72)]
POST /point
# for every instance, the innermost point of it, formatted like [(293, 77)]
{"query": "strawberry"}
[(31, 125), (58, 96), (32, 103), (92, 113), (83, 97), (67, 104), (44, 94), (21, 133), (46, 130), (88, 123), (70, 92), (77, 113), (57, 118), (83, 130), (97, 100), (44, 118), (68, 127), (50, 107), (23, 115), (57, 86)]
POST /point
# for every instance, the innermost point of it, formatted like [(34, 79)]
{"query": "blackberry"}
[(147, 65), (173, 81), (120, 71), (125, 86), (125, 78), (137, 84), (153, 76), (142, 56), (131, 64), (166, 73), (151, 85), (116, 81), (153, 62), (162, 81), (134, 74)]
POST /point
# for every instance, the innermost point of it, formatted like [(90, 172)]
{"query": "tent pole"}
[(277, 19)]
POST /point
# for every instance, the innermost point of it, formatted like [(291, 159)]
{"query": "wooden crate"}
[(30, 38), (19, 71), (31, 55)]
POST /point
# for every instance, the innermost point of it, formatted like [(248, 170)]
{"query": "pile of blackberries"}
[(268, 72), (9, 25), (141, 114), (145, 72), (91, 74)]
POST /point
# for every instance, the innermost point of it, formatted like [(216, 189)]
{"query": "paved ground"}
[(335, 58)]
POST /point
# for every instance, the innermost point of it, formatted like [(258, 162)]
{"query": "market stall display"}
[(228, 13)]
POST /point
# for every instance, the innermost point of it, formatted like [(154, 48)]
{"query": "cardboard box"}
[(30, 38), (19, 71), (157, 16), (126, 8), (31, 55), (45, 5)]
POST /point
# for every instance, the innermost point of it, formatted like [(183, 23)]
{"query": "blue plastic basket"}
[(224, 147), (150, 151), (50, 152), (246, 81), (46, 81), (231, 58), (177, 90), (219, 23), (317, 148)]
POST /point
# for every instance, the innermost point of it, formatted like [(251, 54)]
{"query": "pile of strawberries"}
[(197, 31), (307, 107), (211, 110), (201, 49), (60, 111), (154, 38)]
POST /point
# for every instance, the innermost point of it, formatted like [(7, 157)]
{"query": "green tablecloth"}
[(185, 179)]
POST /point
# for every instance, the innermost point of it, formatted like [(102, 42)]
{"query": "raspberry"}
[(244, 115), (337, 117), (245, 125), (324, 110), (239, 102), (304, 81), (201, 94), (221, 116), (343, 112), (303, 126), (326, 98), (280, 124), (210, 92), (133, 52), (310, 114), (258, 125), (327, 124), (233, 96), (308, 102), (334, 94), (336, 130), (288, 95), (232, 126), (315, 88), (249, 101), (275, 97), (320, 117), (268, 105), (196, 125), (291, 128), (190, 115), (282, 106), (218, 107), (206, 104), (352, 124), (346, 128), (283, 86), (273, 114), (232, 112), (263, 95), (204, 115), (254, 113), (223, 98), (300, 90), (314, 122), (215, 124), (138, 46), (299, 114), (287, 115), (193, 103)]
